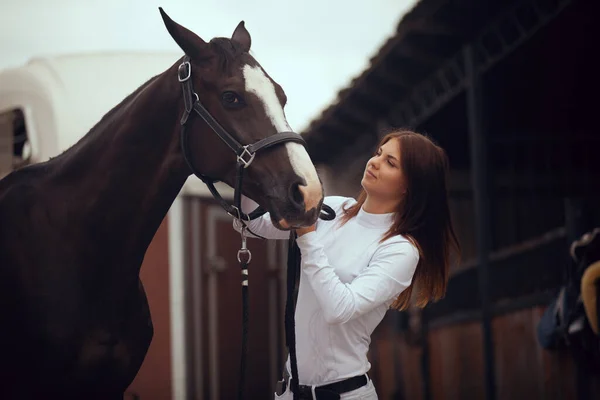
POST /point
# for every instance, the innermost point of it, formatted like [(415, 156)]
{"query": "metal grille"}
[(14, 145), (19, 138), (498, 40)]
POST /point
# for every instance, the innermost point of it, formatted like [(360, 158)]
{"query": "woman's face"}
[(383, 178)]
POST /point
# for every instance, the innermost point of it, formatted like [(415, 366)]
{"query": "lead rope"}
[(293, 275), (293, 268), (244, 257)]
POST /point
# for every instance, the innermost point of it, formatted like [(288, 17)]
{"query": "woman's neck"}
[(374, 205)]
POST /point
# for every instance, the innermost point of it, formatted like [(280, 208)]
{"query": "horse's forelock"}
[(227, 50)]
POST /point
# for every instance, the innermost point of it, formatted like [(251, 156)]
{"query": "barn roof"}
[(432, 32)]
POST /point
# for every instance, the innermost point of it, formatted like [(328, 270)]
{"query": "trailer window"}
[(14, 142)]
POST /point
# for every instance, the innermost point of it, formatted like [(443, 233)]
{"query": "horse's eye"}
[(231, 99)]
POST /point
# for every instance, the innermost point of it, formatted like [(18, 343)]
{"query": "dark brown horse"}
[(74, 320)]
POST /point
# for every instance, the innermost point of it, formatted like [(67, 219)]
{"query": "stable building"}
[(508, 89)]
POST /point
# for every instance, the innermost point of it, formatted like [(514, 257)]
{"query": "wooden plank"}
[(410, 368), (525, 369), (456, 362), (154, 377), (382, 371), (557, 368), (395, 364), (518, 364)]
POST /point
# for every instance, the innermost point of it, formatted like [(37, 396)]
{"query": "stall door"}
[(215, 307)]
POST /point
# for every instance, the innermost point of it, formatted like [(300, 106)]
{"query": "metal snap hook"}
[(244, 251)]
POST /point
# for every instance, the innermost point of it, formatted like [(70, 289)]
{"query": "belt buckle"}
[(305, 392), (324, 394)]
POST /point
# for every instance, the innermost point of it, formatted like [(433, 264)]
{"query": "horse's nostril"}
[(296, 196)]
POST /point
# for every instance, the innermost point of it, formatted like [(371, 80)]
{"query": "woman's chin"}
[(365, 185)]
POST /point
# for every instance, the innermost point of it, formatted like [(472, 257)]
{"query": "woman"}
[(395, 239)]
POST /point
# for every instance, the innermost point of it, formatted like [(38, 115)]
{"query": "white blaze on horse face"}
[(258, 83)]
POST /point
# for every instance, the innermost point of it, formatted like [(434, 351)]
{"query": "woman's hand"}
[(302, 231)]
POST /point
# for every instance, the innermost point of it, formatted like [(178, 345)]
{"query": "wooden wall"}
[(523, 369)]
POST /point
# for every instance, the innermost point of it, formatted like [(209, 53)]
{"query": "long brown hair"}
[(423, 216)]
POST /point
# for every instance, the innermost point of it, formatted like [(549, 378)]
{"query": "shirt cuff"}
[(308, 246)]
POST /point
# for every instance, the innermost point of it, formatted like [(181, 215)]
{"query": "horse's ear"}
[(242, 37), (188, 41)]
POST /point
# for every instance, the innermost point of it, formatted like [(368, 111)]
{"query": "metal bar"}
[(576, 223), (514, 194), (521, 247), (479, 176), (506, 307)]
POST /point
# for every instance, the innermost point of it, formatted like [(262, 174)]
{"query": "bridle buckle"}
[(188, 72), (239, 215), (245, 152)]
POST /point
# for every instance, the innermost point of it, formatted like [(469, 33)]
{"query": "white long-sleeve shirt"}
[(348, 281)]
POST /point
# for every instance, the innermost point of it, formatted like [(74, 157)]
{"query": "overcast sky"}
[(313, 48)]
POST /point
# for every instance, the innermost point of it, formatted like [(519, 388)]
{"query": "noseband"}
[(245, 155)]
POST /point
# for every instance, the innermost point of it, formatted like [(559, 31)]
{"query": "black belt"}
[(331, 391)]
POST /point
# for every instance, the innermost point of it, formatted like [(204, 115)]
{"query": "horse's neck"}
[(127, 171)]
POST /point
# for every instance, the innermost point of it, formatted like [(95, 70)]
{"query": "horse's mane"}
[(107, 118), (124, 103), (227, 51)]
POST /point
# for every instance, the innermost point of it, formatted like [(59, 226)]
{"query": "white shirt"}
[(347, 284)]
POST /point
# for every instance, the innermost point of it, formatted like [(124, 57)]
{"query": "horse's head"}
[(249, 104)]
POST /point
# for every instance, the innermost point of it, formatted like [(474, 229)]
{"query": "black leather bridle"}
[(245, 155)]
